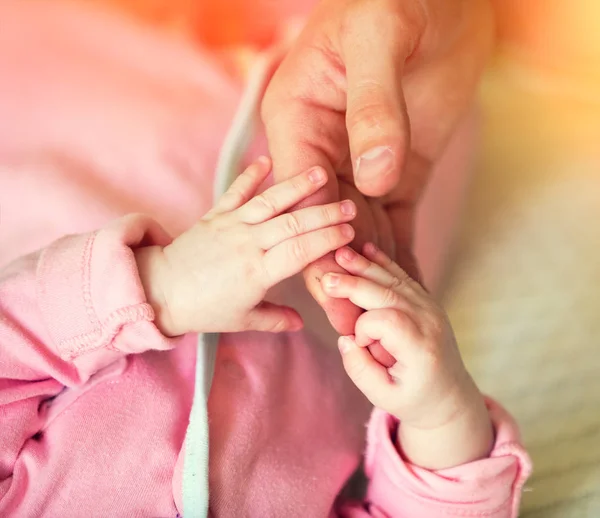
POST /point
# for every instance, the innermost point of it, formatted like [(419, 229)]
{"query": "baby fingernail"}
[(348, 254), (345, 344), (332, 280), (347, 231), (316, 176), (371, 249), (348, 208)]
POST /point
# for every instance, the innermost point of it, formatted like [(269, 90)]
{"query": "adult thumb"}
[(376, 115)]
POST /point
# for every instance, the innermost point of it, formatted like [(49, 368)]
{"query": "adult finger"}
[(292, 256), (286, 226), (376, 42), (282, 196)]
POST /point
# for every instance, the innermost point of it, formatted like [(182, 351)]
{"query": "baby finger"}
[(369, 376), (243, 188), (365, 293), (275, 231), (295, 254)]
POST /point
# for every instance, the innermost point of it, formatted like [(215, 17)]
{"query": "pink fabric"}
[(98, 119)]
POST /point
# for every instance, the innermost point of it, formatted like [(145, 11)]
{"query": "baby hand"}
[(214, 277), (443, 418)]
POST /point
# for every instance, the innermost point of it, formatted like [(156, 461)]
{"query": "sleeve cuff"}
[(90, 293), (490, 487)]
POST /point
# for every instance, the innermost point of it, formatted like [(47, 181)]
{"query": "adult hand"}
[(371, 92)]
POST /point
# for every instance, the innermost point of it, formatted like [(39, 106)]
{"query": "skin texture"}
[(374, 77)]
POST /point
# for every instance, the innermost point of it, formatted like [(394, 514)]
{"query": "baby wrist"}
[(468, 437), (153, 271)]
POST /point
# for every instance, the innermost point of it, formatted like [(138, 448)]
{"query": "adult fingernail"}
[(347, 231), (348, 208), (345, 344), (375, 162), (317, 176), (331, 280)]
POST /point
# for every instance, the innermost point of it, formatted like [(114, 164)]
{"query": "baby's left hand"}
[(443, 418)]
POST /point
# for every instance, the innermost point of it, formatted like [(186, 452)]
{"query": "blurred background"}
[(524, 287)]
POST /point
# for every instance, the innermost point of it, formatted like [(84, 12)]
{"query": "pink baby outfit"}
[(100, 118)]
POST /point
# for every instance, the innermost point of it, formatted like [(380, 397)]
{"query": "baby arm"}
[(69, 314), (449, 448)]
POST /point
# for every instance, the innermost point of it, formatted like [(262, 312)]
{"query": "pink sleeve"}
[(488, 488), (65, 313)]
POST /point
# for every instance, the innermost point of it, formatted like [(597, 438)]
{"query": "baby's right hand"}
[(214, 277)]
